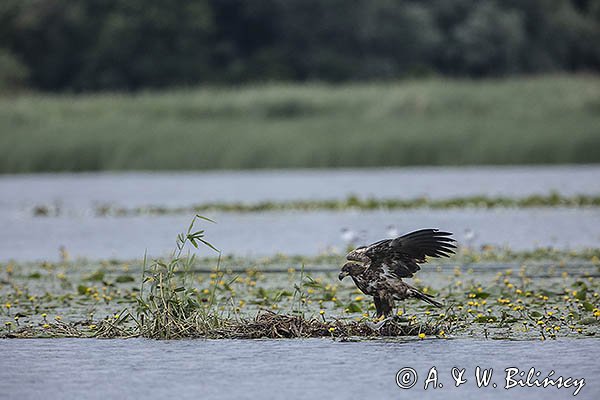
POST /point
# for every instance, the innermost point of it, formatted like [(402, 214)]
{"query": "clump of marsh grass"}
[(167, 308)]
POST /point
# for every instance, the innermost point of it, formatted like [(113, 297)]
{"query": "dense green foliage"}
[(435, 122), (131, 44)]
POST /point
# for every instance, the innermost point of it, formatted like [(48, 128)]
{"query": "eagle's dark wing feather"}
[(403, 253)]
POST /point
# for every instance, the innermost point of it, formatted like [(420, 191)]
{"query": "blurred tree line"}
[(83, 45)]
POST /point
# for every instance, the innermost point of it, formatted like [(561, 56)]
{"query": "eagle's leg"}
[(377, 302), (383, 307), (386, 305)]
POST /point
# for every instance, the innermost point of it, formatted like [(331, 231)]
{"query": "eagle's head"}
[(351, 269), (358, 254)]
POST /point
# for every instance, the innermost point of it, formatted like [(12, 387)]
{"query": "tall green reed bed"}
[(492, 293), (553, 119)]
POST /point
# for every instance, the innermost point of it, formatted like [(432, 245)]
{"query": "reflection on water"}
[(275, 369)]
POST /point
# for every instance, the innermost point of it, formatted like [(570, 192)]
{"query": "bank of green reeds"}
[(552, 119)]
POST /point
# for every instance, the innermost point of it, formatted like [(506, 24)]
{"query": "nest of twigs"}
[(274, 326), (266, 324)]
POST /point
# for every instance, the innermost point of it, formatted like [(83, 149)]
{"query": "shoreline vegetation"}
[(351, 202), (522, 120), (170, 298)]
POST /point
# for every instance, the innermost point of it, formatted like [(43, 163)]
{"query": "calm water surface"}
[(26, 237), (271, 369), (277, 369), (289, 232), (186, 188)]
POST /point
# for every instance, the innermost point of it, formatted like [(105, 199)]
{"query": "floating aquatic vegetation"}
[(219, 297), (351, 202)]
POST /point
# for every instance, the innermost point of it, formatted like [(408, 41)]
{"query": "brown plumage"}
[(378, 269)]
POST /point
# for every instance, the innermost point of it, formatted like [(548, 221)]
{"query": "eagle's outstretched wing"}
[(403, 253)]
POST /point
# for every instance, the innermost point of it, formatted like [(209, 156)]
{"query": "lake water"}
[(26, 237), (304, 233), (185, 188), (276, 369), (272, 369)]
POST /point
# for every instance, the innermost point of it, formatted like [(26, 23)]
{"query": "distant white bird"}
[(470, 237), (64, 254), (392, 231), (349, 236)]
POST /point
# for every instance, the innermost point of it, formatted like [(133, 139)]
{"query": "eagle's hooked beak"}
[(342, 275)]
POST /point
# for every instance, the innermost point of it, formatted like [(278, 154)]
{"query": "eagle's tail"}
[(414, 292)]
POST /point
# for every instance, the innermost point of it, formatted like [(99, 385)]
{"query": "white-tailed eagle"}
[(378, 269)]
